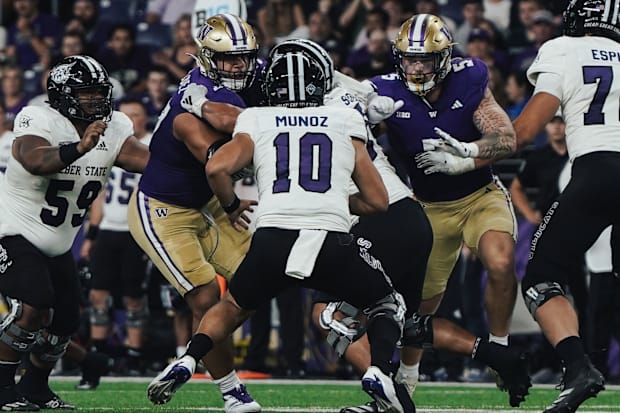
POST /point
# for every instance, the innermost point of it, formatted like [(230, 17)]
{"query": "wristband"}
[(69, 153), (92, 232), (234, 205)]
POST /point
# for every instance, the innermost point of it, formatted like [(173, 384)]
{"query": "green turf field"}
[(314, 396)]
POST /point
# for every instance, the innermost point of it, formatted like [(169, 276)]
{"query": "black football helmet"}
[(313, 50), (76, 74), (294, 80), (595, 17)]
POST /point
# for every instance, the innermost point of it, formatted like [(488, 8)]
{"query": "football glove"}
[(448, 144), (444, 162), (381, 107), (193, 98)]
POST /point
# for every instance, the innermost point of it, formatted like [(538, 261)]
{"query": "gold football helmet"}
[(227, 51), (422, 51)]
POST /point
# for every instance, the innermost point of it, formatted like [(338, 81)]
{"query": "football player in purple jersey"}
[(173, 215), (465, 203)]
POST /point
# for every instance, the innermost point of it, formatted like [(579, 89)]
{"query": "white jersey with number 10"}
[(303, 160)]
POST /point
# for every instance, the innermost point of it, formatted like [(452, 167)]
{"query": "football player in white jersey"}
[(6, 141), (115, 258), (402, 240), (304, 156), (578, 73), (61, 158)]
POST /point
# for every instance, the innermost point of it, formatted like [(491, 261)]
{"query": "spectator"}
[(6, 141), (168, 12), (85, 20), (433, 7), (519, 36), (118, 265), (473, 14), (176, 60), (13, 96), (373, 59), (281, 19), (71, 43), (156, 95), (498, 11), (480, 45), (541, 171), (126, 62), (376, 18), (497, 86), (396, 10), (320, 28), (33, 37), (518, 91), (542, 29), (347, 20), (291, 333)]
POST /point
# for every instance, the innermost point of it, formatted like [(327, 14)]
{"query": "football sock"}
[(228, 382), (503, 340)]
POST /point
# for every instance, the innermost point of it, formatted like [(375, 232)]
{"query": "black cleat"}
[(94, 366), (513, 377), (52, 403), (12, 401), (370, 407), (581, 381)]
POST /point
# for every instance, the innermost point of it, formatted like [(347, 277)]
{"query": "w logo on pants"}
[(161, 212)]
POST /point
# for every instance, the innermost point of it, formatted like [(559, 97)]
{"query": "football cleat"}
[(54, 403), (512, 374), (94, 366), (238, 400), (176, 374), (391, 397), (12, 401), (579, 383), (370, 407)]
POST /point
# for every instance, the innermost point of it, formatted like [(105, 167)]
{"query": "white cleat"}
[(238, 400), (390, 397), (167, 382)]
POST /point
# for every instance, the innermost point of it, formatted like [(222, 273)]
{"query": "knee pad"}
[(536, 295), (341, 332), (392, 306), (100, 316), (418, 331), (137, 318), (11, 334), (50, 347)]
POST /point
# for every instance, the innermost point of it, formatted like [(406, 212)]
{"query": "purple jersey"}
[(173, 174), (461, 93)]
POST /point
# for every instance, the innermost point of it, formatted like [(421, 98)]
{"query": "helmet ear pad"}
[(76, 74)]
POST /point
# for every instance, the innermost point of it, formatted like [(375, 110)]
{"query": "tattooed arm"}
[(498, 136)]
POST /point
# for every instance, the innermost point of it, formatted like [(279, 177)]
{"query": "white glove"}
[(444, 162), (193, 98), (448, 144), (381, 107)]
